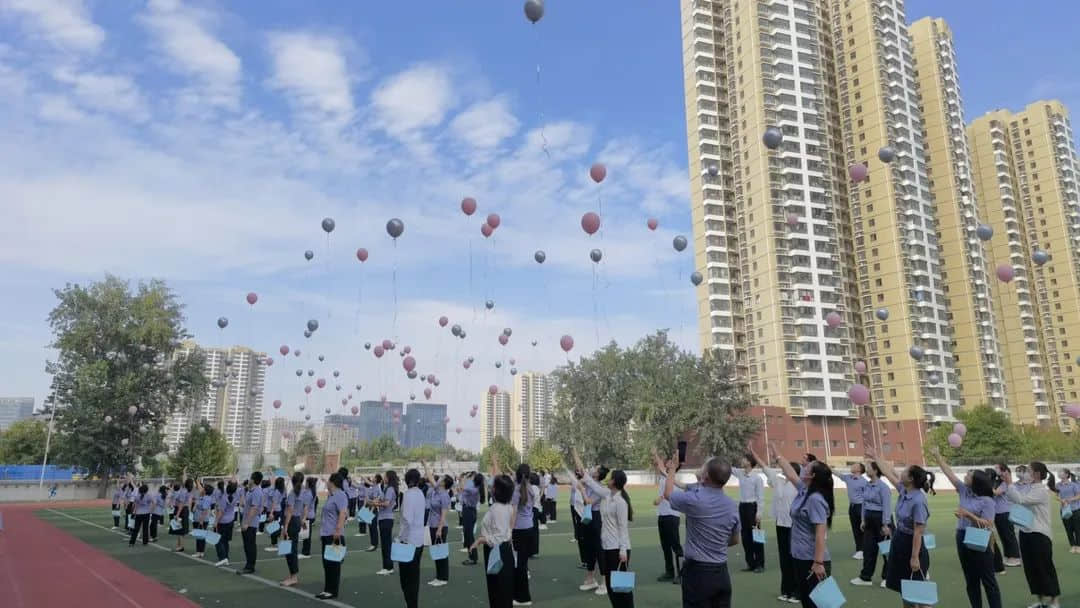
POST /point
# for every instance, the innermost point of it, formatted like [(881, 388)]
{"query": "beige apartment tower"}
[(494, 417), (1026, 173), (531, 404)]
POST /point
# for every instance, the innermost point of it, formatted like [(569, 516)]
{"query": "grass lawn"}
[(555, 576)]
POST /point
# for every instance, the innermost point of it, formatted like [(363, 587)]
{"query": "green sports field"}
[(555, 576)]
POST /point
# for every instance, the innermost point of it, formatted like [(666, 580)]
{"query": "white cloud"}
[(105, 92), (59, 109), (415, 99), (190, 48), (485, 124), (65, 23), (313, 70)]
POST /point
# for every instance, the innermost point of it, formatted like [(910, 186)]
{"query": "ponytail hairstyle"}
[(1067, 476), (412, 478), (522, 477), (602, 472), (930, 479), (920, 479), (821, 482), (1040, 472), (875, 470), (995, 479), (297, 482), (189, 485), (447, 482), (478, 481), (336, 480), (164, 491), (230, 489), (279, 484), (208, 489), (221, 485), (378, 480), (143, 489), (618, 479)]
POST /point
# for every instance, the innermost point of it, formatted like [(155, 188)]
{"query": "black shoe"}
[(664, 578), (747, 569), (325, 596), (677, 580), (370, 549), (759, 570), (469, 562), (246, 571), (582, 567)]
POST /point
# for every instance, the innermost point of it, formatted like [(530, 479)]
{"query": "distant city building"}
[(494, 417), (425, 425), (335, 437), (531, 404), (378, 419), (14, 409), (282, 433), (234, 400)]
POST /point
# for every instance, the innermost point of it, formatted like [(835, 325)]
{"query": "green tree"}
[(504, 451), (119, 349), (203, 452), (990, 437), (542, 455), (24, 442), (427, 453), (308, 448), (383, 449), (1048, 445)]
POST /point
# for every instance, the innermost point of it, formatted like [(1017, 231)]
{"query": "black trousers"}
[(1038, 555), (539, 516), (500, 587), (807, 580), (522, 540), (705, 585), (410, 576), (755, 552), (250, 550), (262, 524), (1072, 529), (306, 548), (854, 513), (222, 548), (609, 562), (871, 538), (331, 570), (294, 535), (373, 531), (668, 526), (200, 543), (442, 566), (386, 530), (142, 523), (591, 539), (116, 518), (978, 567), (1007, 534), (155, 519), (468, 523), (788, 585), (550, 511), (361, 527), (352, 507), (579, 534)]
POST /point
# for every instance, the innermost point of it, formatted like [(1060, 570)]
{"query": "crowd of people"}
[(887, 520)]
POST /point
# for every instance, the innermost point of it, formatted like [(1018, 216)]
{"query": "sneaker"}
[(759, 570), (268, 549), (677, 580), (663, 578), (588, 587), (793, 600), (883, 585), (858, 582), (221, 562), (1013, 562), (302, 556), (438, 583), (115, 528), (601, 590), (543, 526), (463, 550), (517, 603), (370, 549), (359, 534), (384, 572), (858, 555)]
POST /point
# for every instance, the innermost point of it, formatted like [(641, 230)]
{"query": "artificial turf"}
[(555, 576)]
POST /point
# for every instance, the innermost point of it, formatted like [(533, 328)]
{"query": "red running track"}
[(43, 567)]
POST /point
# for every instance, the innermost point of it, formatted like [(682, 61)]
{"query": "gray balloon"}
[(513, 371), (886, 154), (934, 379), (328, 225), (534, 342), (358, 387), (367, 345), (489, 304), (772, 138), (471, 360), (322, 358), (498, 364), (336, 373), (462, 335), (882, 314), (307, 334), (679, 243), (1040, 257), (311, 372), (395, 228), (309, 254), (540, 257), (222, 322), (916, 353), (412, 375), (312, 325), (456, 330), (508, 332), (714, 170), (696, 278), (985, 232), (534, 10), (596, 255), (299, 373)]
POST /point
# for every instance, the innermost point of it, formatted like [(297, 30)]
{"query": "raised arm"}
[(887, 470), (785, 466), (945, 468)]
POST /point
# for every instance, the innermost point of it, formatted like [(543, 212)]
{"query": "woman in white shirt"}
[(412, 533), (1036, 548), (616, 513), (496, 531), (784, 493)]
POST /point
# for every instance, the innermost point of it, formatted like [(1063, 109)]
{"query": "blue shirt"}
[(593, 496), (294, 502), (144, 503), (876, 497), (856, 487), (1001, 503), (253, 499), (390, 496), (807, 512), (712, 520), (470, 495), (181, 499), (1069, 489), (523, 519), (911, 510), (159, 504), (437, 502), (335, 504), (118, 496), (227, 505), (202, 507), (307, 499), (979, 506), (275, 500)]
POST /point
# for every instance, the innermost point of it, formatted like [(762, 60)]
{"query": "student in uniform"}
[(783, 495), (523, 535), (277, 498), (751, 508), (438, 508), (117, 504), (471, 495), (371, 501), (412, 533), (226, 515), (203, 510), (130, 493), (856, 483), (267, 487), (310, 497), (249, 522), (908, 557), (577, 508), (876, 515), (712, 526), (495, 536), (590, 532), (349, 487), (1036, 547), (332, 532), (158, 514), (1068, 491), (144, 504), (295, 518), (182, 501), (387, 504), (362, 490), (615, 537), (551, 497), (811, 518), (538, 515)]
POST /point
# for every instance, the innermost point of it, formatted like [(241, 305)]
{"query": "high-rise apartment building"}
[(1026, 173), (494, 417), (14, 409), (966, 267), (531, 403), (233, 403), (335, 437), (282, 433)]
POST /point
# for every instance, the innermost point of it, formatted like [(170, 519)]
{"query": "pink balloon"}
[(960, 429), (284, 350), (458, 430), (277, 404), (1073, 410), (468, 205), (472, 413), (598, 172), (792, 219), (590, 223), (344, 402), (252, 297), (387, 345), (430, 378), (307, 389), (955, 440), (407, 349), (321, 383), (382, 398), (466, 364), (567, 343), (486, 230), (379, 351), (1005, 273), (652, 223), (445, 420), (858, 172), (859, 394), (269, 361), (443, 320), (493, 389), (355, 410), (362, 254), (494, 220), (409, 363), (503, 339), (860, 367), (427, 393), (834, 320)]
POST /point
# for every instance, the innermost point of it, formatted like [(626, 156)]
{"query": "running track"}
[(42, 567)]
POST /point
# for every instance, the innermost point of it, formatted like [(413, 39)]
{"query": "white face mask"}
[(1026, 477)]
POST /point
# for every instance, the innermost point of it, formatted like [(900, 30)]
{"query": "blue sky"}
[(203, 143)]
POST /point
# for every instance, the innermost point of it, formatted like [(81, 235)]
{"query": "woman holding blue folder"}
[(387, 504), (1036, 548), (976, 494), (310, 497), (332, 533), (496, 531), (438, 508), (412, 534), (201, 515), (226, 516), (295, 518), (182, 500), (908, 556)]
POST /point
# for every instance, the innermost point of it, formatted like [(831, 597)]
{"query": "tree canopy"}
[(991, 437), (503, 450), (203, 452), (309, 451), (24, 442), (542, 455)]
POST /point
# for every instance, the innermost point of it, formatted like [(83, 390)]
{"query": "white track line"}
[(100, 578), (253, 577)]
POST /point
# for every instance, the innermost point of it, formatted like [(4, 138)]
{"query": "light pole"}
[(48, 441)]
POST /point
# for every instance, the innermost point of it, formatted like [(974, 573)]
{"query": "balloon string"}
[(472, 295), (326, 265), (596, 308), (540, 97)]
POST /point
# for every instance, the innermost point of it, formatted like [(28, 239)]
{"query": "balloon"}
[(1040, 257), (322, 358), (411, 374), (307, 333), (498, 365), (534, 11), (858, 172), (916, 353), (284, 350), (355, 410), (984, 231), (379, 351), (539, 256), (430, 378), (277, 404), (309, 254), (269, 361), (299, 373), (590, 222), (252, 297), (489, 304), (445, 420), (714, 170), (307, 416), (367, 345), (772, 138), (513, 371), (882, 314), (596, 255), (468, 205), (933, 379), (493, 389), (328, 225), (567, 343), (132, 410), (456, 330), (652, 223), (406, 350), (955, 440), (793, 219), (472, 414), (458, 430), (494, 220), (860, 367), (859, 394), (302, 406), (462, 334), (1073, 410), (960, 429), (427, 393), (297, 352), (886, 154), (358, 387), (307, 389), (387, 344), (321, 382), (696, 278), (679, 243), (834, 320), (471, 359), (1005, 273), (503, 340), (598, 172), (534, 342), (409, 363), (466, 364), (312, 325), (336, 373), (310, 372), (486, 230), (362, 254), (513, 361), (395, 227), (222, 322), (443, 321)]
